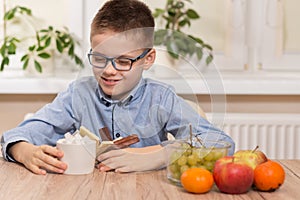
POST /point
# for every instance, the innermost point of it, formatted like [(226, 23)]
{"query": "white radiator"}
[(278, 135)]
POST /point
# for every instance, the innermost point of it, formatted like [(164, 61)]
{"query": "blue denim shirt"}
[(151, 110)]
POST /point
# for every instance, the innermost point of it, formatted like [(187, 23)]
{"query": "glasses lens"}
[(122, 63), (97, 60)]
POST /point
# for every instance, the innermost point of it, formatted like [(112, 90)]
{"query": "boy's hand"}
[(132, 159), (38, 159)]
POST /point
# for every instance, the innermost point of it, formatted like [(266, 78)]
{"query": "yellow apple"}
[(251, 157)]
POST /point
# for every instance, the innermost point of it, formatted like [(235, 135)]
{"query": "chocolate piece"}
[(127, 141), (104, 134)]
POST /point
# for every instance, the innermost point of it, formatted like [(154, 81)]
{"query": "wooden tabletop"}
[(16, 182)]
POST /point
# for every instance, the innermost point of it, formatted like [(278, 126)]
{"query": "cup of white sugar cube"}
[(79, 153)]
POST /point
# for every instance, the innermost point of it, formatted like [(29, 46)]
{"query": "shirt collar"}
[(108, 101)]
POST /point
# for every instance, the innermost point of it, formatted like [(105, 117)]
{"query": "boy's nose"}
[(109, 69)]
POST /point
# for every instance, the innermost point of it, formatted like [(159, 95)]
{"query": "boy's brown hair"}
[(119, 16)]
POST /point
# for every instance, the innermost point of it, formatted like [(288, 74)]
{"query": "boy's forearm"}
[(154, 154)]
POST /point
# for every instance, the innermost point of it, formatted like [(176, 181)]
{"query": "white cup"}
[(80, 158)]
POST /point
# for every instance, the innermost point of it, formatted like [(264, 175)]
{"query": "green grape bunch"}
[(194, 153), (186, 156)]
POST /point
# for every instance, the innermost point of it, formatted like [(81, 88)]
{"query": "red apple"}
[(252, 157), (232, 175)]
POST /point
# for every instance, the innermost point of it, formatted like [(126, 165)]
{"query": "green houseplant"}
[(43, 44), (175, 17)]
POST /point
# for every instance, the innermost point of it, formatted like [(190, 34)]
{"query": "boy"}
[(117, 97)]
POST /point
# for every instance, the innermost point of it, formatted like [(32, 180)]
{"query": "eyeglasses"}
[(121, 64)]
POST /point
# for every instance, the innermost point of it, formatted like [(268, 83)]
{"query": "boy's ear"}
[(150, 59)]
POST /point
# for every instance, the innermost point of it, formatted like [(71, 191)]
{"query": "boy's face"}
[(114, 83)]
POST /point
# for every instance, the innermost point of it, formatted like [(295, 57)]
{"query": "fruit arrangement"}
[(237, 174)]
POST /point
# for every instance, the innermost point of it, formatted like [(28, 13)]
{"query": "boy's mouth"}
[(110, 81)]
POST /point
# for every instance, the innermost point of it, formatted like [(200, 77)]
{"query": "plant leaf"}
[(198, 40), (40, 48), (24, 57), (180, 44), (44, 30), (159, 36), (209, 59), (12, 48), (31, 48), (38, 66), (192, 14), (78, 61), (183, 22), (44, 55), (2, 50), (191, 47), (4, 62), (171, 51), (157, 12), (9, 15), (172, 12), (2, 66), (25, 64), (59, 46), (199, 53), (48, 42), (208, 47), (71, 50), (179, 5), (26, 10)]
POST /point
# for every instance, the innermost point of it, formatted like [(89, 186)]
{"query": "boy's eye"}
[(99, 59), (123, 61)]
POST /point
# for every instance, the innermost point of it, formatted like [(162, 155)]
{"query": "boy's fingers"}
[(52, 163), (103, 168), (35, 169), (51, 168), (52, 151)]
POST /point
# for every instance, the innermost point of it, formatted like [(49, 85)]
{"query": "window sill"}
[(234, 83), (17, 83)]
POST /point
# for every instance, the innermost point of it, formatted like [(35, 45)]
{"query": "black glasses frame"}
[(112, 59)]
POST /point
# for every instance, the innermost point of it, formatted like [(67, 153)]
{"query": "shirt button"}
[(118, 135)]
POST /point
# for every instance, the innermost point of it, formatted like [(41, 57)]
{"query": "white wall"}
[(292, 26)]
